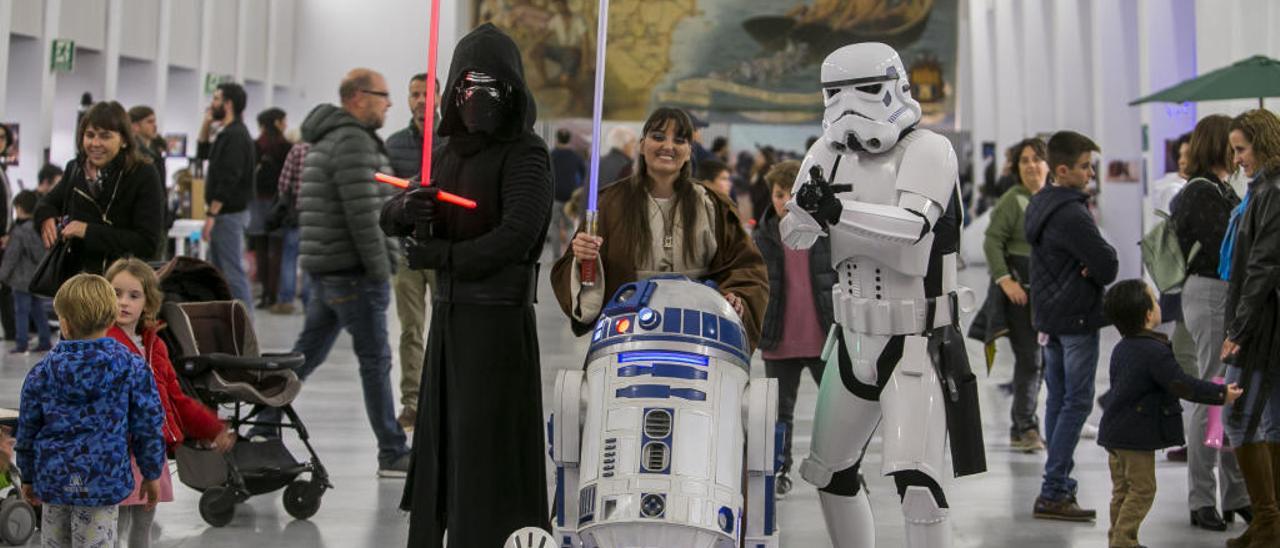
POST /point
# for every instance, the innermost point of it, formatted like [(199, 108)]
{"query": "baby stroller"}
[(217, 361), (18, 519)]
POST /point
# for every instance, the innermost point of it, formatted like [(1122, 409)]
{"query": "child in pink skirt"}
[(138, 294)]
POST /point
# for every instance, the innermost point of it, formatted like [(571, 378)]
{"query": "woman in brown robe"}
[(661, 220)]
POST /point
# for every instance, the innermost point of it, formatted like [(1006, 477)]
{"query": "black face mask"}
[(483, 102)]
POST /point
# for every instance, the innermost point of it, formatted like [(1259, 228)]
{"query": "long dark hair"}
[(635, 236), (111, 116)]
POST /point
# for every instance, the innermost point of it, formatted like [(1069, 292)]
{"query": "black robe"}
[(479, 467)]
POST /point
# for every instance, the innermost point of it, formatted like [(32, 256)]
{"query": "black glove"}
[(419, 206), (818, 198)]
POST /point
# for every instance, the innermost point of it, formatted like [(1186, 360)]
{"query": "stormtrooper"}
[(886, 193)]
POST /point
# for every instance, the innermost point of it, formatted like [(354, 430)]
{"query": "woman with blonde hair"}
[(1253, 322)]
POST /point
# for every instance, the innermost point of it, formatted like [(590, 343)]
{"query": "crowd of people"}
[(668, 205), (1053, 288)]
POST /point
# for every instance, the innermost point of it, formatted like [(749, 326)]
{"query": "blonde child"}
[(85, 407), (138, 297)]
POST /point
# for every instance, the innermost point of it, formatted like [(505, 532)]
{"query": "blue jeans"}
[(289, 265), (1070, 365), (226, 252), (1269, 425), (28, 308), (358, 305)]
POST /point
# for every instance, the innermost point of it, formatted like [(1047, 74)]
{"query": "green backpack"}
[(1162, 256)]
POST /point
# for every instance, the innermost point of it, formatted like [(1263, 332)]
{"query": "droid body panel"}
[(649, 439)]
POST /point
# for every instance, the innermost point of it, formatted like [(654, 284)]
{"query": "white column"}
[(48, 81), (206, 50), (1010, 124), (6, 23), (163, 32), (111, 51), (1037, 78), (273, 36), (242, 39)]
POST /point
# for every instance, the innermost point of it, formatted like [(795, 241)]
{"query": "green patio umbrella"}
[(1257, 76)]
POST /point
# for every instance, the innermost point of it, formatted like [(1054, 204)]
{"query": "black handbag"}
[(56, 267)]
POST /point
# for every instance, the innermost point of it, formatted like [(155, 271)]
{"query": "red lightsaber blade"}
[(446, 197)]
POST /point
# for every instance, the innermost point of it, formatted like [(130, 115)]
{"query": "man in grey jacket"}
[(345, 252)]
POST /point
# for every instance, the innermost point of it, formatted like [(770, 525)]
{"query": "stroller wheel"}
[(17, 521), (217, 506), (302, 498)]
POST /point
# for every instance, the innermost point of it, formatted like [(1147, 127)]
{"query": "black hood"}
[(487, 49), (1044, 204)]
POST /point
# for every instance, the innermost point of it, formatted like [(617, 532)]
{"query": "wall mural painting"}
[(729, 60)]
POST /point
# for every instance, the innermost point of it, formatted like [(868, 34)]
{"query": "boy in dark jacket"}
[(84, 408), (800, 310), (1141, 414), (1071, 263), (21, 259)]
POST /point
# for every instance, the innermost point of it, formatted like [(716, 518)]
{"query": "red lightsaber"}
[(428, 124), (447, 197)]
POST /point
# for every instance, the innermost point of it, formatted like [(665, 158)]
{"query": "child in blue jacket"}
[(1141, 413), (84, 407)]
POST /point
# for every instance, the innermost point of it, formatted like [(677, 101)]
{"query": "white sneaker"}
[(1089, 432)]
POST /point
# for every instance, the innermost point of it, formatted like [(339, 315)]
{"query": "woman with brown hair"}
[(1253, 322), (1009, 259), (1200, 214), (110, 204), (661, 220)]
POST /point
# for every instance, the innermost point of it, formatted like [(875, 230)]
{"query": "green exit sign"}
[(63, 57)]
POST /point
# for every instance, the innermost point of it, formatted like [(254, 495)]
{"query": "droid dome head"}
[(867, 97)]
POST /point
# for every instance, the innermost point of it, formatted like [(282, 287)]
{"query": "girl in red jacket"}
[(139, 296)]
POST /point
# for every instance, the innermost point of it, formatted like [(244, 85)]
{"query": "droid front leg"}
[(564, 434), (760, 417)]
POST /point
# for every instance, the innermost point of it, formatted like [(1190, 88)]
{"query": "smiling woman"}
[(660, 221), (111, 203)]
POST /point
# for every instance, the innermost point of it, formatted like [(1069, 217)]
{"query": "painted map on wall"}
[(729, 60)]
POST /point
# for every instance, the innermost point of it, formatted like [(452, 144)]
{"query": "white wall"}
[(335, 36), (1041, 66)]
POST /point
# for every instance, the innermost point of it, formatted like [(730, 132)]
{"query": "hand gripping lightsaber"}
[(587, 269), (428, 124)]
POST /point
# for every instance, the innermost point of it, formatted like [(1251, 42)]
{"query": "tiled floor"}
[(993, 509)]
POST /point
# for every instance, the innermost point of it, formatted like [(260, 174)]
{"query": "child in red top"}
[(138, 294)]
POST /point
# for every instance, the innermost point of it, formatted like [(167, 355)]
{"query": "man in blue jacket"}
[(1071, 265)]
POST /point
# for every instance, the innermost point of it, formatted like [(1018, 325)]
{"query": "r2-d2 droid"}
[(648, 441), (886, 195)]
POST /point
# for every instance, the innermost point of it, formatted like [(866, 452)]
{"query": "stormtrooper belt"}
[(895, 317)]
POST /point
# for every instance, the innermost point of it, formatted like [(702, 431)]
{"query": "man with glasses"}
[(344, 251)]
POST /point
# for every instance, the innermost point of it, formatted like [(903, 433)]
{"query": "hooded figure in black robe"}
[(478, 466)]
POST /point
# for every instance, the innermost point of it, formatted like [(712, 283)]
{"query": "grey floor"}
[(992, 509)]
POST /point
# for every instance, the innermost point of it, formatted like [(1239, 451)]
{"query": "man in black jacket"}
[(412, 287), (228, 186), (479, 459), (1071, 264)]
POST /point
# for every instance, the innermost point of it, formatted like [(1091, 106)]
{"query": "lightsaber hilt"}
[(587, 269)]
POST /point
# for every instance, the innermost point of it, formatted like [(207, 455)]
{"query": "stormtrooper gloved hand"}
[(818, 198)]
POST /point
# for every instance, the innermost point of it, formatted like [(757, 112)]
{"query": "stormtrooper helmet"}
[(867, 98)]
